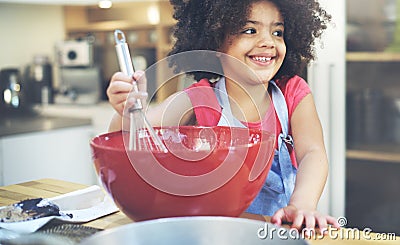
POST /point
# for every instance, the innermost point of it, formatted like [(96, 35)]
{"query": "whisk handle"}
[(125, 61)]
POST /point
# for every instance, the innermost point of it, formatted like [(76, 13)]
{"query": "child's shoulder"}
[(294, 90), (293, 84)]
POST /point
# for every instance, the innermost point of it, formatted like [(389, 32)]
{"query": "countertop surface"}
[(29, 123), (47, 188)]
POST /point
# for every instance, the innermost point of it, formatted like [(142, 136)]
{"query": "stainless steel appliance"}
[(80, 76), (79, 86), (75, 53), (39, 80), (12, 91)]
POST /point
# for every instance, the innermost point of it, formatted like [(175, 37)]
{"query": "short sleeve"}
[(294, 91)]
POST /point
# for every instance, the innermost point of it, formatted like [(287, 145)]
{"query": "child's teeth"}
[(262, 59)]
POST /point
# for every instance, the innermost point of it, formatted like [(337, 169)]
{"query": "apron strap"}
[(288, 172), (280, 107), (227, 118)]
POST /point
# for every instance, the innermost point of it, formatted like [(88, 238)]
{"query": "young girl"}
[(275, 39)]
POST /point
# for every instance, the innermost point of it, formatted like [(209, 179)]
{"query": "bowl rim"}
[(111, 134)]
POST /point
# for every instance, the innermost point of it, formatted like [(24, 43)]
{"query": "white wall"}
[(27, 30)]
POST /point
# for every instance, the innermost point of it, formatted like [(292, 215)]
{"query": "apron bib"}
[(279, 185)]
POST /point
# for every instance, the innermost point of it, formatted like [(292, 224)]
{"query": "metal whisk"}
[(141, 134)]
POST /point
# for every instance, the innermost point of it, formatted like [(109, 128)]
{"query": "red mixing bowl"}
[(208, 171)]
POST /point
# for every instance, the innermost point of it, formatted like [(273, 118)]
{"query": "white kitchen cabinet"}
[(328, 83), (61, 153)]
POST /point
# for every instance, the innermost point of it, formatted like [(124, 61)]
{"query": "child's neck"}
[(248, 103)]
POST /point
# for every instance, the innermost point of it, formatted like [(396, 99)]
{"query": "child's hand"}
[(300, 219), (121, 86)]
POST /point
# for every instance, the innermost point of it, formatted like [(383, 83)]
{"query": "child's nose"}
[(266, 40)]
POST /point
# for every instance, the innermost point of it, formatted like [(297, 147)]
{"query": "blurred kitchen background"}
[(57, 57)]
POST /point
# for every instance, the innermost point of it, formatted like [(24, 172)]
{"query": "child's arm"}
[(312, 170), (175, 110)]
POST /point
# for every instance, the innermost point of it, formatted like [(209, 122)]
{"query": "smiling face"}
[(260, 44)]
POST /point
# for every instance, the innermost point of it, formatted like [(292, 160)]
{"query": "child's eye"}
[(278, 33), (249, 31)]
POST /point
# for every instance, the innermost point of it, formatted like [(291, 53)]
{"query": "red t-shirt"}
[(208, 110)]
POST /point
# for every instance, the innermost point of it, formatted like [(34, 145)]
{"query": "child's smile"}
[(262, 60)]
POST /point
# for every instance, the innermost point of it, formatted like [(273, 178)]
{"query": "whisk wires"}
[(141, 134)]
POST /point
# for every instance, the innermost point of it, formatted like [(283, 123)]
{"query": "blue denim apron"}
[(279, 185)]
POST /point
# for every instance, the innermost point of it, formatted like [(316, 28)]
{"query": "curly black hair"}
[(205, 24)]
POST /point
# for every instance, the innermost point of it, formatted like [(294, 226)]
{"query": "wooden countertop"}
[(47, 188)]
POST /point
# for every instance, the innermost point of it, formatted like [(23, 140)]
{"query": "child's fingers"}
[(118, 98), (333, 221), (123, 83), (322, 223), (134, 96), (278, 217), (119, 76), (140, 78), (118, 87), (298, 221), (139, 95), (138, 75), (117, 101), (309, 221)]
